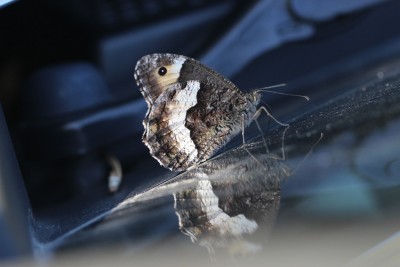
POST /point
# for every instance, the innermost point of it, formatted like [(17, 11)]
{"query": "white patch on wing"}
[(182, 101), (178, 62), (217, 218)]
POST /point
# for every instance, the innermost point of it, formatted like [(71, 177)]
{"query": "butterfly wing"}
[(151, 81), (199, 108), (165, 133)]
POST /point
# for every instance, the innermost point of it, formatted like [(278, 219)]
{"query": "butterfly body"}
[(192, 110)]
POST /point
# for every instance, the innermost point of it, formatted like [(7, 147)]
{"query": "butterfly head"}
[(254, 97), (156, 72)]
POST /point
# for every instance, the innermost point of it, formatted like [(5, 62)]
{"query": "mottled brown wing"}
[(165, 133), (151, 83), (221, 110), (193, 110)]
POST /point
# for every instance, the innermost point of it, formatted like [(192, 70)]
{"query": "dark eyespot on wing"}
[(162, 71)]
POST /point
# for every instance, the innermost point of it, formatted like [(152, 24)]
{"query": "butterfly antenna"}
[(273, 86), (266, 89)]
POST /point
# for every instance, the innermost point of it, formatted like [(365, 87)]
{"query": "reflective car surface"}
[(323, 191)]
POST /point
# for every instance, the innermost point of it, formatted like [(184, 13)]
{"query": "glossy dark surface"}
[(69, 100), (349, 177)]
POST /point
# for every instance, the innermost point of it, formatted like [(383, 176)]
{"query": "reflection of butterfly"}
[(230, 198), (193, 111)]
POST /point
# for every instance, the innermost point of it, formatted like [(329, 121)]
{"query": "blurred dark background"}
[(69, 97)]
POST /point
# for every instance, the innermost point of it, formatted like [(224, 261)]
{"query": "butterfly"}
[(192, 110)]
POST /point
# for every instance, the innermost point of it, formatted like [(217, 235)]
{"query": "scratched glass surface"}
[(333, 198)]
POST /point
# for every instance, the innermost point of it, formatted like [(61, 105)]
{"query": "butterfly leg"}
[(244, 143), (308, 153), (261, 109), (255, 117), (262, 135)]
